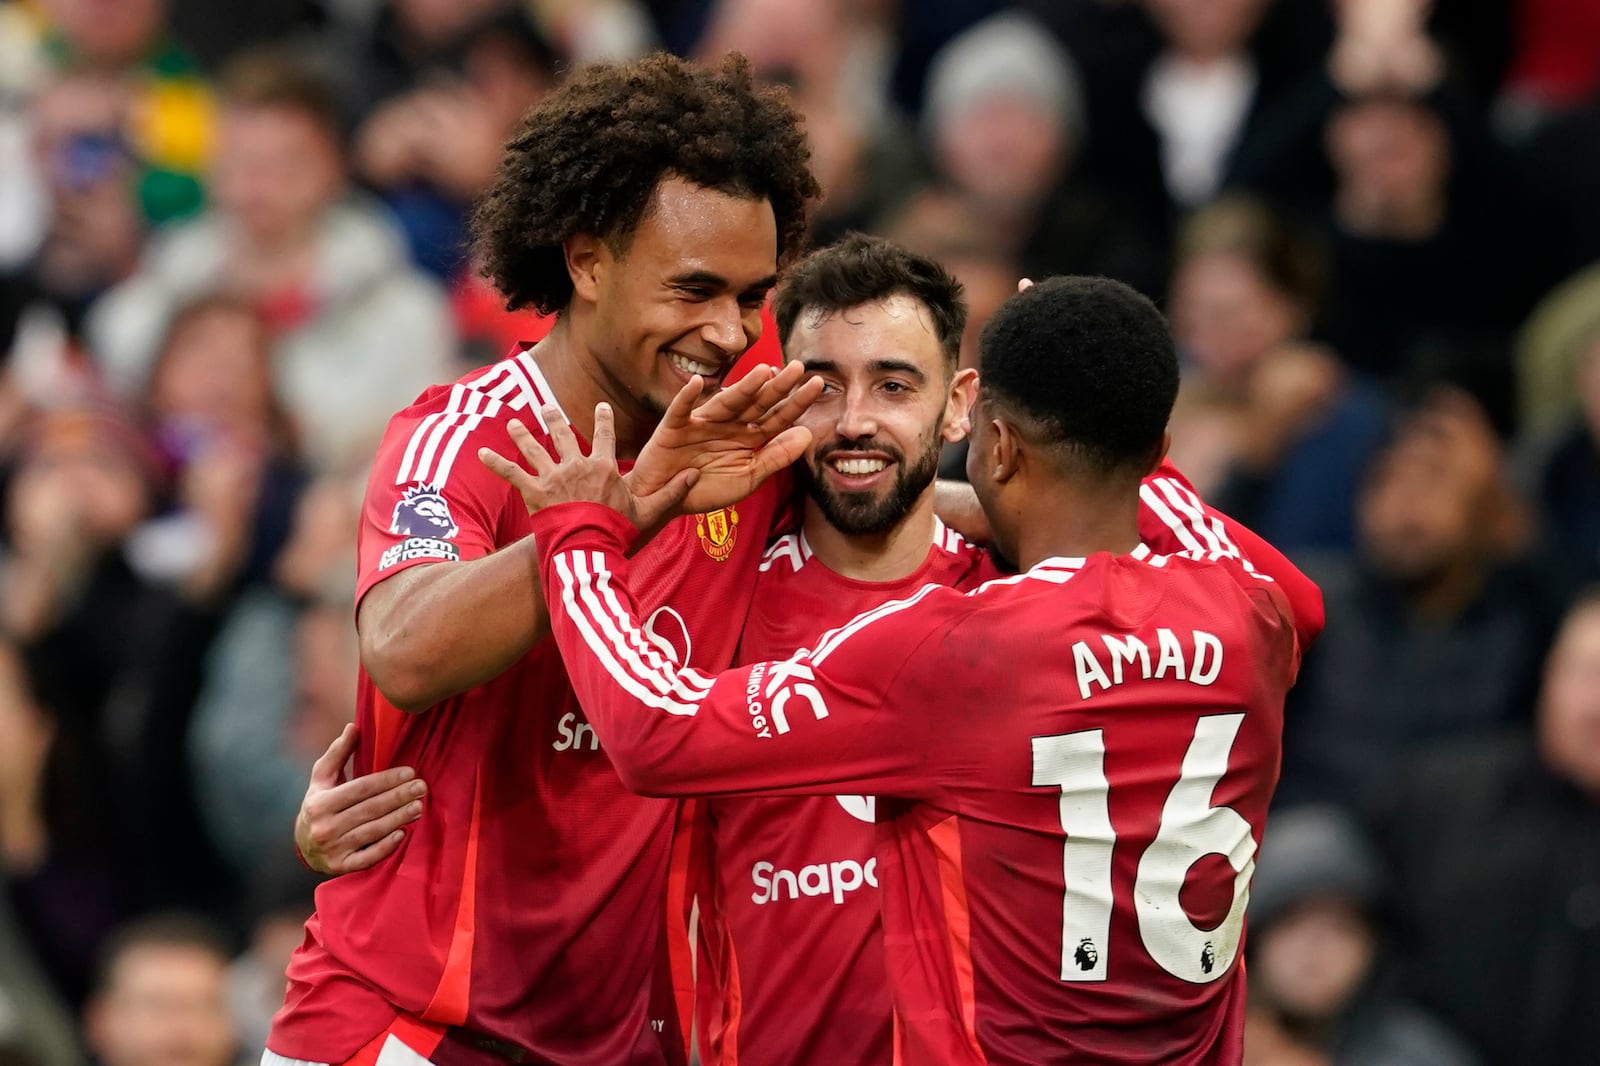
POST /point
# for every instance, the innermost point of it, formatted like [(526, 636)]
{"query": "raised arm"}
[(820, 722), (428, 632), (816, 723)]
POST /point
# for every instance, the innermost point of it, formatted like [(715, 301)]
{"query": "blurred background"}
[(231, 245)]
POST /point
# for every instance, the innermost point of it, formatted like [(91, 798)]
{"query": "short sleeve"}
[(429, 499)]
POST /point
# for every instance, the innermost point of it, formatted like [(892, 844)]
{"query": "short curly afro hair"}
[(588, 158), (1087, 365)]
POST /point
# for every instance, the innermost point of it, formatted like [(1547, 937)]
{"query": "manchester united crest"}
[(718, 530)]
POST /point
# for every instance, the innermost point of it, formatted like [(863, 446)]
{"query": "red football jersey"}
[(1073, 768), (789, 944), (527, 902)]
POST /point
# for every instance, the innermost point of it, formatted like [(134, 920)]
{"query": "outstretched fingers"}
[(780, 453), (789, 409)]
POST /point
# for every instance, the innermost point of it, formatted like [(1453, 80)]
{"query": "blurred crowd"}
[(224, 263)]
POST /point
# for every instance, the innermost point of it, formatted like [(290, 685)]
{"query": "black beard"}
[(862, 513)]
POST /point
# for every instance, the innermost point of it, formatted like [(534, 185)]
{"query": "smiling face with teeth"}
[(683, 297), (890, 399)]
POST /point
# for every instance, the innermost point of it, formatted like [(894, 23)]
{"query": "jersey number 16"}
[(1190, 829)]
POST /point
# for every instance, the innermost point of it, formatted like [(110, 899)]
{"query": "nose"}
[(857, 419), (724, 327)]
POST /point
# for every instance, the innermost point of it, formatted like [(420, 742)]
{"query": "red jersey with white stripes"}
[(789, 896), (1073, 768), (527, 902), (789, 944)]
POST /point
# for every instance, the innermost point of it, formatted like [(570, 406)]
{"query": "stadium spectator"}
[(1497, 868), (168, 121), (94, 230), (385, 49), (1320, 977), (161, 997), (1246, 295), (227, 447), (328, 273), (1436, 628), (1004, 126), (431, 151), (276, 686)]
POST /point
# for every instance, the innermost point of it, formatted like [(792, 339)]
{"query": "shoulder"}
[(785, 555), (425, 442)]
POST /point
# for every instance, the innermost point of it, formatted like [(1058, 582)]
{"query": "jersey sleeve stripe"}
[(1182, 518), (831, 640), (684, 680), (1208, 528), (470, 403), (579, 601), (428, 471)]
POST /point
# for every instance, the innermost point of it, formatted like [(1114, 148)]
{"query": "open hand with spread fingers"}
[(572, 477), (736, 439)]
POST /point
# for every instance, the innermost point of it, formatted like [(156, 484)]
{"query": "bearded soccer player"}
[(649, 206), (1073, 765)]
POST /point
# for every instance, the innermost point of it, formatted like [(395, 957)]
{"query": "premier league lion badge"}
[(423, 512)]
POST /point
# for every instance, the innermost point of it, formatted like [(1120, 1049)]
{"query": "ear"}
[(587, 258), (958, 406), (1009, 451)]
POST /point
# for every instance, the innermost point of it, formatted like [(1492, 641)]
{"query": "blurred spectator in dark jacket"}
[(63, 891), (1320, 981), (357, 332), (1246, 293), (277, 685), (429, 152), (390, 46), (113, 652), (1435, 631), (161, 997), (1496, 851), (1424, 246), (1004, 126), (1559, 369), (227, 448)]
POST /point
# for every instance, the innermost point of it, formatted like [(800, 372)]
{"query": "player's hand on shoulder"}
[(736, 439), (347, 826), (572, 477)]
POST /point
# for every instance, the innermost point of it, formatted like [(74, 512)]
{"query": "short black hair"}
[(858, 269), (589, 156), (179, 929), (1086, 364)]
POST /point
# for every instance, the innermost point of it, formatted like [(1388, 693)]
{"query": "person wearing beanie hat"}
[(1004, 125), (1318, 985)]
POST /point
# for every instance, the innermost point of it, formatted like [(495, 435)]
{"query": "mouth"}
[(857, 471), (689, 368)]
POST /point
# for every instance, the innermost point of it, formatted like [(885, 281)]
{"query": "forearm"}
[(670, 730), (440, 629), (957, 506)]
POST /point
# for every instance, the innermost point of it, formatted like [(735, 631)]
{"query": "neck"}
[(888, 556), (578, 382), (1450, 593), (1074, 522)]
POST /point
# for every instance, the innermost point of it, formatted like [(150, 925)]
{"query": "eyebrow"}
[(706, 277), (878, 366)]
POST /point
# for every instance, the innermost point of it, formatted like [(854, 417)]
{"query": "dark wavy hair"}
[(588, 158), (1088, 366), (858, 269)]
